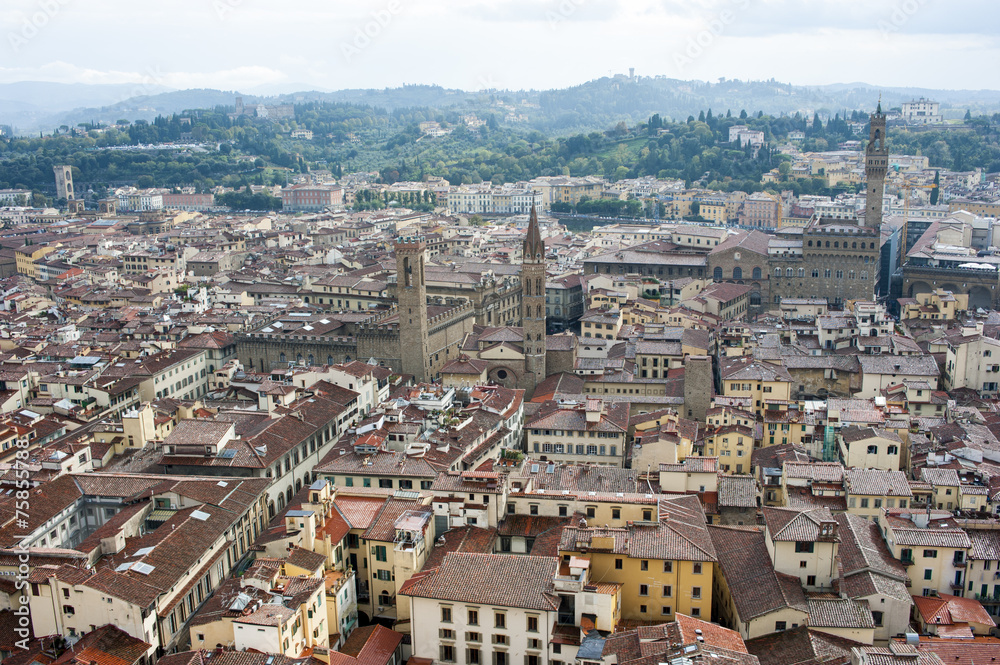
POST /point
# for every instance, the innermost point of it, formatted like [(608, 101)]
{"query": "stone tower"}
[(411, 296), (533, 304), (698, 382), (876, 165), (64, 181)]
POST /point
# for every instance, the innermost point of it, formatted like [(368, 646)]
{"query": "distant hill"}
[(35, 106)]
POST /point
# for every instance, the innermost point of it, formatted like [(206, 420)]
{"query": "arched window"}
[(854, 245), (756, 273), (777, 272), (827, 244), (755, 299), (802, 272), (864, 274), (329, 360), (538, 311), (737, 273), (836, 244), (311, 359), (810, 243), (717, 274), (539, 286), (788, 272), (281, 357), (527, 287)]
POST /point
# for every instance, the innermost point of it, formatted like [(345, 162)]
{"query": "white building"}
[(495, 609), (509, 199), (922, 112)]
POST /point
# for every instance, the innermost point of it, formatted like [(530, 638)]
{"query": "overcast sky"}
[(475, 44)]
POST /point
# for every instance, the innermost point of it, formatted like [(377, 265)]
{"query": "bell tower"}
[(533, 304), (876, 165), (411, 298)]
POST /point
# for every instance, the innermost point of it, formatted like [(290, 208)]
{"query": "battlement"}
[(837, 228), (460, 309), (411, 244)]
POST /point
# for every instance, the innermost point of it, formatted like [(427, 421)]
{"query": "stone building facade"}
[(743, 259), (838, 261), (360, 336)]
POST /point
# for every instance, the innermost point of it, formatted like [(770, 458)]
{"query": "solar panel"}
[(551, 468), (199, 515), (143, 568), (123, 567), (534, 468), (143, 551), (227, 454)]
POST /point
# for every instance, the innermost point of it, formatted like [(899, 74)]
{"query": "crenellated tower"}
[(411, 295), (533, 304), (876, 166)]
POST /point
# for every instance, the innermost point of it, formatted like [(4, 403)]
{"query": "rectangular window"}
[(500, 620), (696, 568), (643, 589), (380, 553), (696, 592), (445, 615), (668, 591), (618, 564), (473, 617), (668, 566), (532, 624), (803, 546)]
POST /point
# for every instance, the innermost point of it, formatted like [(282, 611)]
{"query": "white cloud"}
[(511, 43)]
